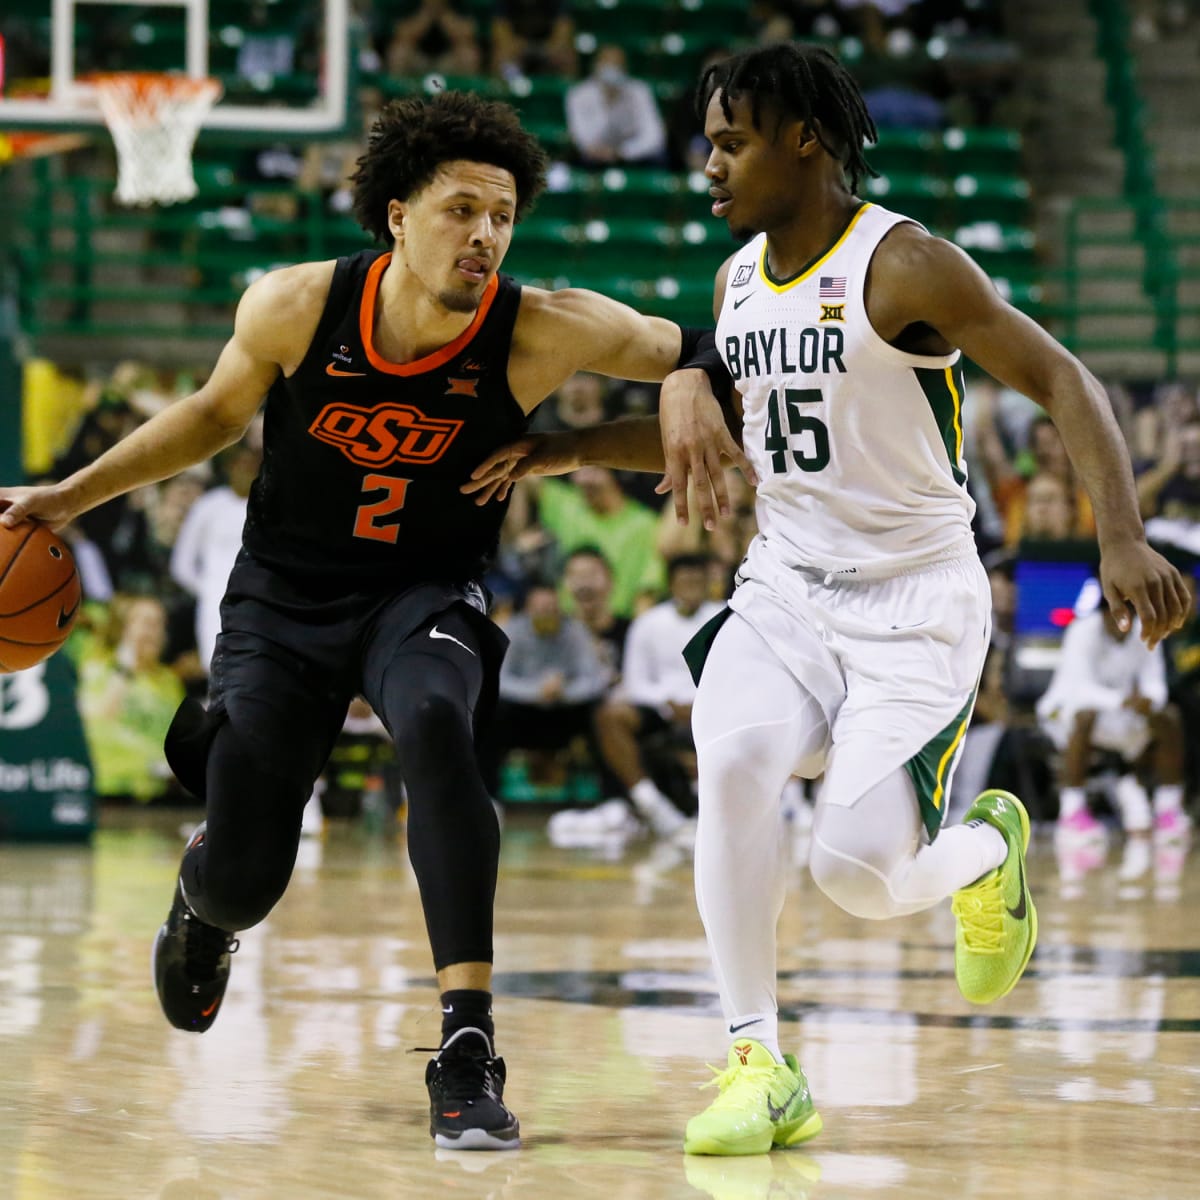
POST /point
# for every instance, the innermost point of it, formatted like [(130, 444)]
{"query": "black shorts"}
[(651, 720), (288, 662)]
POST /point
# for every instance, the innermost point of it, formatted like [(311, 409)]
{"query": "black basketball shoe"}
[(466, 1096), (191, 963)]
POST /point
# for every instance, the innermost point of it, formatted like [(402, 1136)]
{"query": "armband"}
[(699, 352)]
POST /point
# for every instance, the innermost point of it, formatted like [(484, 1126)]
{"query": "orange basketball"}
[(39, 595)]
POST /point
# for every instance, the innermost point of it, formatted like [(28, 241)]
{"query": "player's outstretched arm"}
[(631, 445), (919, 279), (270, 317)]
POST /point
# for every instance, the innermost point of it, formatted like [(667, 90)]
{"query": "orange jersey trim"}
[(366, 326)]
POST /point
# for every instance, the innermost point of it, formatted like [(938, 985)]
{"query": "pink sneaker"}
[(1172, 826), (1080, 826)]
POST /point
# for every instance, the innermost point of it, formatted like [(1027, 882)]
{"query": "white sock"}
[(646, 796), (1071, 800), (1168, 798), (763, 1027)]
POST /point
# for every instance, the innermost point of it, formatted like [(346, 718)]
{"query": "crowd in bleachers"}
[(599, 589), (597, 584)]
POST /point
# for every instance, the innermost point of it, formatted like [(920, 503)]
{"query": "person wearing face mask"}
[(613, 118)]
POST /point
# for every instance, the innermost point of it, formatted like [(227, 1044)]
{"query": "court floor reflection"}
[(1084, 1082)]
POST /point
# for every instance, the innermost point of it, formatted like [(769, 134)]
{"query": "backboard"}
[(284, 64)]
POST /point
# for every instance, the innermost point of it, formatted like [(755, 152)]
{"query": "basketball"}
[(39, 595)]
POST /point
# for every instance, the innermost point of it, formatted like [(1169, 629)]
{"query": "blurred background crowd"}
[(599, 588), (597, 585)]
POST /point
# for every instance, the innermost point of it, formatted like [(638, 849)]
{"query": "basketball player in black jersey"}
[(388, 377)]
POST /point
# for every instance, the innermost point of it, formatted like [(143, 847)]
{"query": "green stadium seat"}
[(922, 197), (1001, 198), (982, 151)]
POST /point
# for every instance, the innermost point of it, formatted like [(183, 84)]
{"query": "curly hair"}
[(801, 81), (413, 137)]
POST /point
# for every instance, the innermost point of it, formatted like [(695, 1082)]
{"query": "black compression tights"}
[(426, 695), (236, 876)]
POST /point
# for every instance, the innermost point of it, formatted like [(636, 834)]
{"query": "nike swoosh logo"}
[(777, 1113), (1018, 913), (212, 1008), (916, 626), (738, 303), (65, 616), (736, 1028), (332, 370), (437, 635)]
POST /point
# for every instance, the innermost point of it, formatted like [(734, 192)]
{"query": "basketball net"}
[(154, 119)]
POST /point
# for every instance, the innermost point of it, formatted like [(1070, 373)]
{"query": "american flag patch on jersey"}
[(833, 287)]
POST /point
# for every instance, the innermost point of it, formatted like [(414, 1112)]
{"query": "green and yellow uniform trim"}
[(930, 767), (944, 388), (783, 285)]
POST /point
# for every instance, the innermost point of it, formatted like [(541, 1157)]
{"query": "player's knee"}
[(239, 895), (732, 767), (852, 886), (428, 727)]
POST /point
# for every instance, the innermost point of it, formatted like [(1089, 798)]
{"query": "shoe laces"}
[(464, 1076), (205, 945), (980, 912), (738, 1085)]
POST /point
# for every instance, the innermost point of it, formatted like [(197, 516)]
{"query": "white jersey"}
[(857, 445)]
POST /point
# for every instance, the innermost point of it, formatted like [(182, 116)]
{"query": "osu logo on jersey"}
[(387, 433)]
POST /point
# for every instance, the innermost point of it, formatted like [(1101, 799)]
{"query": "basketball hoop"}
[(154, 119)]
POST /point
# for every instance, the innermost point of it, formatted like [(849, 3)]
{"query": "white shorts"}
[(893, 662), (1121, 730)]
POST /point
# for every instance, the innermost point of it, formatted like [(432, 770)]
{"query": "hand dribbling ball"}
[(39, 595)]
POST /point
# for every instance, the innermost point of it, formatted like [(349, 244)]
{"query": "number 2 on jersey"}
[(366, 521), (780, 425)]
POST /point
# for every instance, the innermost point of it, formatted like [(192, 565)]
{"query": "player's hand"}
[(48, 504), (695, 440), (1133, 574), (535, 454)]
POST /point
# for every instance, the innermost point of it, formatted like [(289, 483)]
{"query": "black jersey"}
[(363, 458)]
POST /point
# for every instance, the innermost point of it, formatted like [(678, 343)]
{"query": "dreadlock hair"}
[(803, 81), (413, 137)]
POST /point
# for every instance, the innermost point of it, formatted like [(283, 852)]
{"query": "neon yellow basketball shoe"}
[(761, 1104), (997, 923)]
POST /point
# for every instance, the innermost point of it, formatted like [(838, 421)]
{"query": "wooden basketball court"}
[(1085, 1082)]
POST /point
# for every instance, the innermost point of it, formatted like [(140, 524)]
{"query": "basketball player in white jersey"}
[(854, 642)]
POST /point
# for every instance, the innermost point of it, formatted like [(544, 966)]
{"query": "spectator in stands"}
[(612, 118), (1169, 494), (591, 510), (533, 37), (657, 690), (209, 540), (550, 684), (588, 583), (437, 37), (1109, 692), (108, 420), (127, 698), (582, 400), (1044, 453), (1048, 510)]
